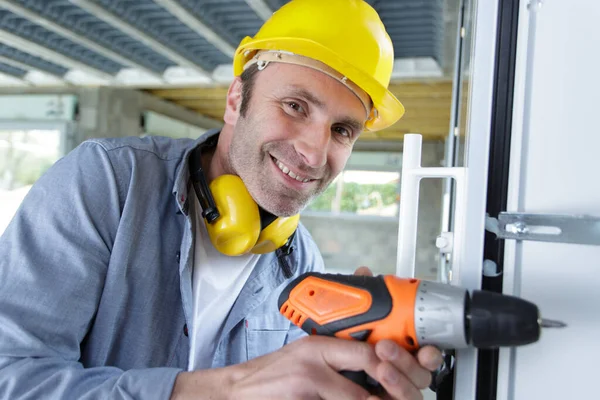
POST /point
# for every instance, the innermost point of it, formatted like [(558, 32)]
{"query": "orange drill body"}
[(399, 325), (325, 303)]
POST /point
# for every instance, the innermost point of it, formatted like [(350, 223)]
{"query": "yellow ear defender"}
[(235, 223)]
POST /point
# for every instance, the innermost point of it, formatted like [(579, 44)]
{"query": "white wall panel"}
[(554, 169)]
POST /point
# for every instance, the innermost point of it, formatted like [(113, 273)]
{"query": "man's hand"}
[(309, 369), (305, 369)]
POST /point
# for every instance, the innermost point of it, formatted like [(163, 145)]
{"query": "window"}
[(24, 156), (355, 221), (361, 193)]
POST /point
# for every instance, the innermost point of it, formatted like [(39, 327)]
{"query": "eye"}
[(295, 106), (342, 131)]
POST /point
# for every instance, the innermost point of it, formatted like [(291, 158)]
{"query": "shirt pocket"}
[(265, 334)]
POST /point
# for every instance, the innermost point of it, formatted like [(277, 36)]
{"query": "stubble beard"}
[(252, 164)]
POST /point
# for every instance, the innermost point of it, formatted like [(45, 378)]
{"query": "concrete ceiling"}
[(182, 50)]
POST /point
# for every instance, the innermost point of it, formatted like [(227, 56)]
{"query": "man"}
[(113, 285)]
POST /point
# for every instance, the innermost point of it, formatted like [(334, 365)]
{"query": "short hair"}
[(248, 78)]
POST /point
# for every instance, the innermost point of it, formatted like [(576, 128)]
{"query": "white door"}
[(554, 169), (551, 168)]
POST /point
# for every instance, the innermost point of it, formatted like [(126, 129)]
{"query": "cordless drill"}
[(411, 312)]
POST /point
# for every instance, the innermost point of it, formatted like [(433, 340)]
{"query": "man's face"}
[(295, 137)]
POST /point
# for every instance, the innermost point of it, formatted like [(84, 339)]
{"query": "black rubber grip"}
[(362, 379), (358, 377)]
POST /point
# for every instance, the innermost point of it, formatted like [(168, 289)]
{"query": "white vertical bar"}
[(409, 206), (472, 223), (451, 139), (459, 219), (512, 248)]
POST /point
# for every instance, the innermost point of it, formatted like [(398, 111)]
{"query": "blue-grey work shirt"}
[(95, 278)]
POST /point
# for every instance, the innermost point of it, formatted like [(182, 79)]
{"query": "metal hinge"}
[(577, 229)]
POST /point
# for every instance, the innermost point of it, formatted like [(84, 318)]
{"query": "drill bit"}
[(550, 323)]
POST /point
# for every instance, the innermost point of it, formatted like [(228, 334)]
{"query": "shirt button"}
[(185, 330), (178, 255)]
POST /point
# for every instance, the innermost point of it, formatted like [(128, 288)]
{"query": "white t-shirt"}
[(216, 282)]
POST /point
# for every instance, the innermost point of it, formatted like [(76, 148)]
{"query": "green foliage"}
[(323, 202), (356, 196)]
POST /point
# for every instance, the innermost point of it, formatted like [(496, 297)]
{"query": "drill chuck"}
[(496, 320)]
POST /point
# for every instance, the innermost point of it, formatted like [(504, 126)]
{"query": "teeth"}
[(287, 171)]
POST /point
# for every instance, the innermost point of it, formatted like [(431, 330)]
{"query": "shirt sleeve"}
[(53, 261)]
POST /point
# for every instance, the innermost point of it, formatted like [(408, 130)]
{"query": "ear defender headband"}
[(235, 223)]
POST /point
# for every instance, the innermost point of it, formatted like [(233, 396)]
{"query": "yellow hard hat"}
[(345, 35)]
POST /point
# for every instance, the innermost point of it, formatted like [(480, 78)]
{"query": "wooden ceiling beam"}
[(427, 107)]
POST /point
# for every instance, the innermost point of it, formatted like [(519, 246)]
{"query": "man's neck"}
[(215, 162)]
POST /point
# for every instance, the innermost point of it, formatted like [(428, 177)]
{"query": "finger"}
[(346, 355), (396, 384), (363, 271), (341, 354), (430, 357), (404, 362), (332, 385)]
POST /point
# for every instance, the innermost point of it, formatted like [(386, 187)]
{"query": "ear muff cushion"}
[(237, 229), (276, 234)]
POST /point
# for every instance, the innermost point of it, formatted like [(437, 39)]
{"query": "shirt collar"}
[(182, 174)]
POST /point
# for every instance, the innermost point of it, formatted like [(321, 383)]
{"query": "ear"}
[(234, 102)]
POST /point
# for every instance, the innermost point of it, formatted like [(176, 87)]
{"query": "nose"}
[(313, 145)]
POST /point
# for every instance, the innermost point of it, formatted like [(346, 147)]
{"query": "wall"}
[(108, 112), (349, 241)]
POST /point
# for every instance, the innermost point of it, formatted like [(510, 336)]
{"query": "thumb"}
[(363, 271)]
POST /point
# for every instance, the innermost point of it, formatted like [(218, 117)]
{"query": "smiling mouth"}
[(289, 173)]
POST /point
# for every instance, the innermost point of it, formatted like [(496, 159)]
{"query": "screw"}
[(441, 242), (519, 228)]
